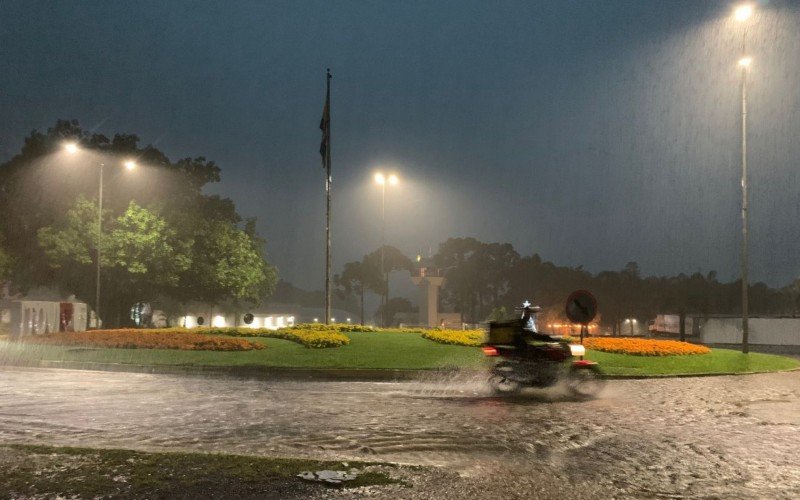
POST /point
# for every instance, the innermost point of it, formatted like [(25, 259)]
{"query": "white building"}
[(272, 317), (38, 317)]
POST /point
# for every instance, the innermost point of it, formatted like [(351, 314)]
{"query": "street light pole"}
[(742, 14), (99, 242), (382, 181), (383, 245), (745, 312), (72, 148)]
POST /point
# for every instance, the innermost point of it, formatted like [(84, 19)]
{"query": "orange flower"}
[(644, 347), (146, 339)]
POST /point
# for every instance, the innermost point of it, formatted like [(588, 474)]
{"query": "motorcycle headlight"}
[(577, 350)]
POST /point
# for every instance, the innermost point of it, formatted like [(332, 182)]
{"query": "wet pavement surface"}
[(711, 437)]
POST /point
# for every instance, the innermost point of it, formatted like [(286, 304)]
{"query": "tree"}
[(351, 282), (393, 307), (141, 256), (227, 264), (39, 188), (377, 281), (5, 263), (457, 258), (477, 274)]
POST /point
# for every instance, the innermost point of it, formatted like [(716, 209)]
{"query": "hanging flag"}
[(325, 126)]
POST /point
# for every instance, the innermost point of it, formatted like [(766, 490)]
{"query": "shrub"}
[(471, 338), (404, 330), (146, 339), (335, 327), (644, 347)]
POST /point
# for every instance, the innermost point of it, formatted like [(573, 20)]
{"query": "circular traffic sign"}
[(581, 307)]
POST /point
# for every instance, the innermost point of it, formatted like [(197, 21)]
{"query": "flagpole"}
[(328, 181)]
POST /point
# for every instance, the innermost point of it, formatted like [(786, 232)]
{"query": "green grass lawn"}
[(717, 361), (389, 351), (366, 350)]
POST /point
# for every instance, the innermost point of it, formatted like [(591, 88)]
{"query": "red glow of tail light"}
[(489, 350)]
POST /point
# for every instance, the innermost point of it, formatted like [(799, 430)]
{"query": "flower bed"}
[(316, 338), (308, 338), (402, 330), (335, 327), (146, 339), (470, 338), (644, 347)]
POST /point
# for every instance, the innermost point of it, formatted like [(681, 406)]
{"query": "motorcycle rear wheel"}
[(585, 382)]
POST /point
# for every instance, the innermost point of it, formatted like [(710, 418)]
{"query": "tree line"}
[(163, 240), (487, 280)]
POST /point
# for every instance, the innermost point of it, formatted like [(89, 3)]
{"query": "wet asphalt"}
[(710, 437)]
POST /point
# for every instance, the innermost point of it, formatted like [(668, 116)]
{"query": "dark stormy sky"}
[(593, 133)]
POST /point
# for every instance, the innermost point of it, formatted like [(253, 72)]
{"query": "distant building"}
[(21, 317), (271, 316)]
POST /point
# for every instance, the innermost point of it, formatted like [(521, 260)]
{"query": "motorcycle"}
[(546, 363)]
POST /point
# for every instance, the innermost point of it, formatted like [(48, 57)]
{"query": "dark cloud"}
[(592, 133)]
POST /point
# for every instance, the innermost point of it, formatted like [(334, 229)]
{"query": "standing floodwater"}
[(714, 436)]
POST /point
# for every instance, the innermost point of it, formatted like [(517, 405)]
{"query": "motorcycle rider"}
[(528, 318), (527, 330)]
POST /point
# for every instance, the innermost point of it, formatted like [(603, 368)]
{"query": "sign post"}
[(581, 309)]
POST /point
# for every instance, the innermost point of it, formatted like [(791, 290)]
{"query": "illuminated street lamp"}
[(382, 180), (72, 148), (742, 14), (632, 322)]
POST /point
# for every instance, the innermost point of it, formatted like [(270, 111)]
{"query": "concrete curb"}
[(320, 374), (692, 375)]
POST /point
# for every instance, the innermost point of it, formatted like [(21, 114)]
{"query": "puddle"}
[(776, 411)]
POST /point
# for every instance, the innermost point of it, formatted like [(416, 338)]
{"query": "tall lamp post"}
[(742, 14), (72, 149), (382, 180)]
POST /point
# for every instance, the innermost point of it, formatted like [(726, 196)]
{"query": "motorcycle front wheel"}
[(501, 380), (585, 382)]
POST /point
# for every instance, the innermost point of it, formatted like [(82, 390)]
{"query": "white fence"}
[(763, 331)]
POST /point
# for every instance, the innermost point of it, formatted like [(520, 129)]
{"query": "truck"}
[(670, 325)]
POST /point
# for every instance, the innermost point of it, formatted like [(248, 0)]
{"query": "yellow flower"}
[(471, 338)]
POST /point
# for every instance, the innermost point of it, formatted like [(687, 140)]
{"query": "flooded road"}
[(733, 437)]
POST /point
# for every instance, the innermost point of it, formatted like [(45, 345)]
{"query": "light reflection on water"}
[(429, 422)]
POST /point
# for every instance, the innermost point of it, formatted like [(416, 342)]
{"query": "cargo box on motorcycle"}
[(502, 332)]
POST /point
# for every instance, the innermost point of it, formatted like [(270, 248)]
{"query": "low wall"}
[(763, 331), (792, 350)]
